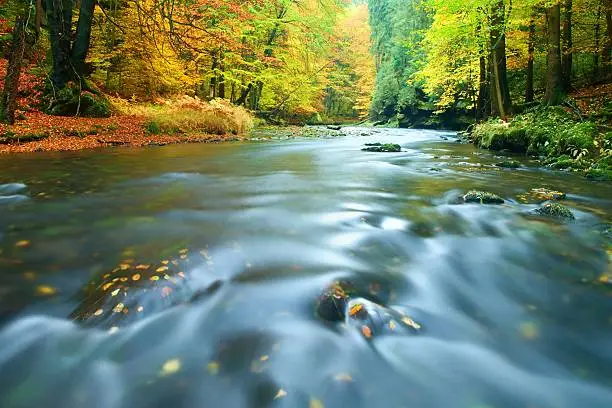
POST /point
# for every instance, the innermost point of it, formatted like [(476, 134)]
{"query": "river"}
[(189, 276)]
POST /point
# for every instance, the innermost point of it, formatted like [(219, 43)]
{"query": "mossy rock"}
[(481, 197), (72, 100), (509, 164), (382, 148), (555, 210)]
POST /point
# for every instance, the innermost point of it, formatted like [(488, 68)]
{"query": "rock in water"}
[(481, 197), (545, 194), (508, 164), (371, 319), (334, 127), (382, 148), (555, 210)]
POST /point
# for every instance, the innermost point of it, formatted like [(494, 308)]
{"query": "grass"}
[(190, 115)]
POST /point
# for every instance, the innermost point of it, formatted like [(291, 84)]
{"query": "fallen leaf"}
[(183, 251), (171, 367), (264, 358), (161, 269), (166, 291), (343, 377), (213, 368), (124, 267), (154, 278), (119, 308), (45, 290), (181, 274), (22, 244), (29, 276), (392, 325), (280, 394), (142, 267), (411, 323), (98, 312), (115, 292), (136, 277), (356, 309), (366, 331), (107, 285), (164, 262), (315, 403), (529, 330), (140, 309)]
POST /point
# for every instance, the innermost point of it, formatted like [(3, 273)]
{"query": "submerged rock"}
[(481, 197), (545, 194), (382, 148), (555, 210), (334, 127), (509, 164), (371, 319)]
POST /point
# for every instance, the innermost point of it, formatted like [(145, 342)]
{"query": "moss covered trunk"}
[(500, 92), (8, 104)]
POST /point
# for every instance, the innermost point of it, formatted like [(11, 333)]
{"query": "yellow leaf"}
[(183, 251), (107, 285), (124, 267), (22, 244), (280, 394), (98, 312), (164, 262), (411, 322), (264, 358), (356, 309), (315, 403), (343, 377), (142, 267), (154, 278), (45, 290), (183, 256), (529, 330), (213, 368), (136, 277), (161, 269), (171, 367), (119, 308), (123, 279), (115, 292)]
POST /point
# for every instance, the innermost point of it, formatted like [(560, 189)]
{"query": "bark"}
[(607, 52), (8, 104), (213, 78), (597, 41), (59, 21), (244, 95), (567, 47), (221, 79), (554, 85), (82, 38), (483, 91), (530, 56), (38, 18), (500, 92)]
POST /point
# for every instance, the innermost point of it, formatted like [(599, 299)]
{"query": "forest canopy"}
[(426, 63)]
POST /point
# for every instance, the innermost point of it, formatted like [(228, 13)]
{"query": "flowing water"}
[(188, 276)]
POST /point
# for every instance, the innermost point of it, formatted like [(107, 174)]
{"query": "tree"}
[(8, 103), (554, 84)]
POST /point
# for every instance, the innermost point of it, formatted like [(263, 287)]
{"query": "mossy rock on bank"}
[(382, 148), (72, 101), (509, 164), (12, 138), (555, 210), (481, 197)]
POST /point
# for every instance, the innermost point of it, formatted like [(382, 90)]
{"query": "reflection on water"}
[(189, 276)]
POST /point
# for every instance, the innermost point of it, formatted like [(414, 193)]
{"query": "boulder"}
[(481, 197)]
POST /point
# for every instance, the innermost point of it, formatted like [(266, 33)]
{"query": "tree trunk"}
[(244, 95), (607, 52), (221, 77), (567, 47), (483, 91), (554, 85), (530, 55), (38, 18), (82, 38), (8, 104), (500, 92), (213, 78), (597, 40), (59, 21)]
